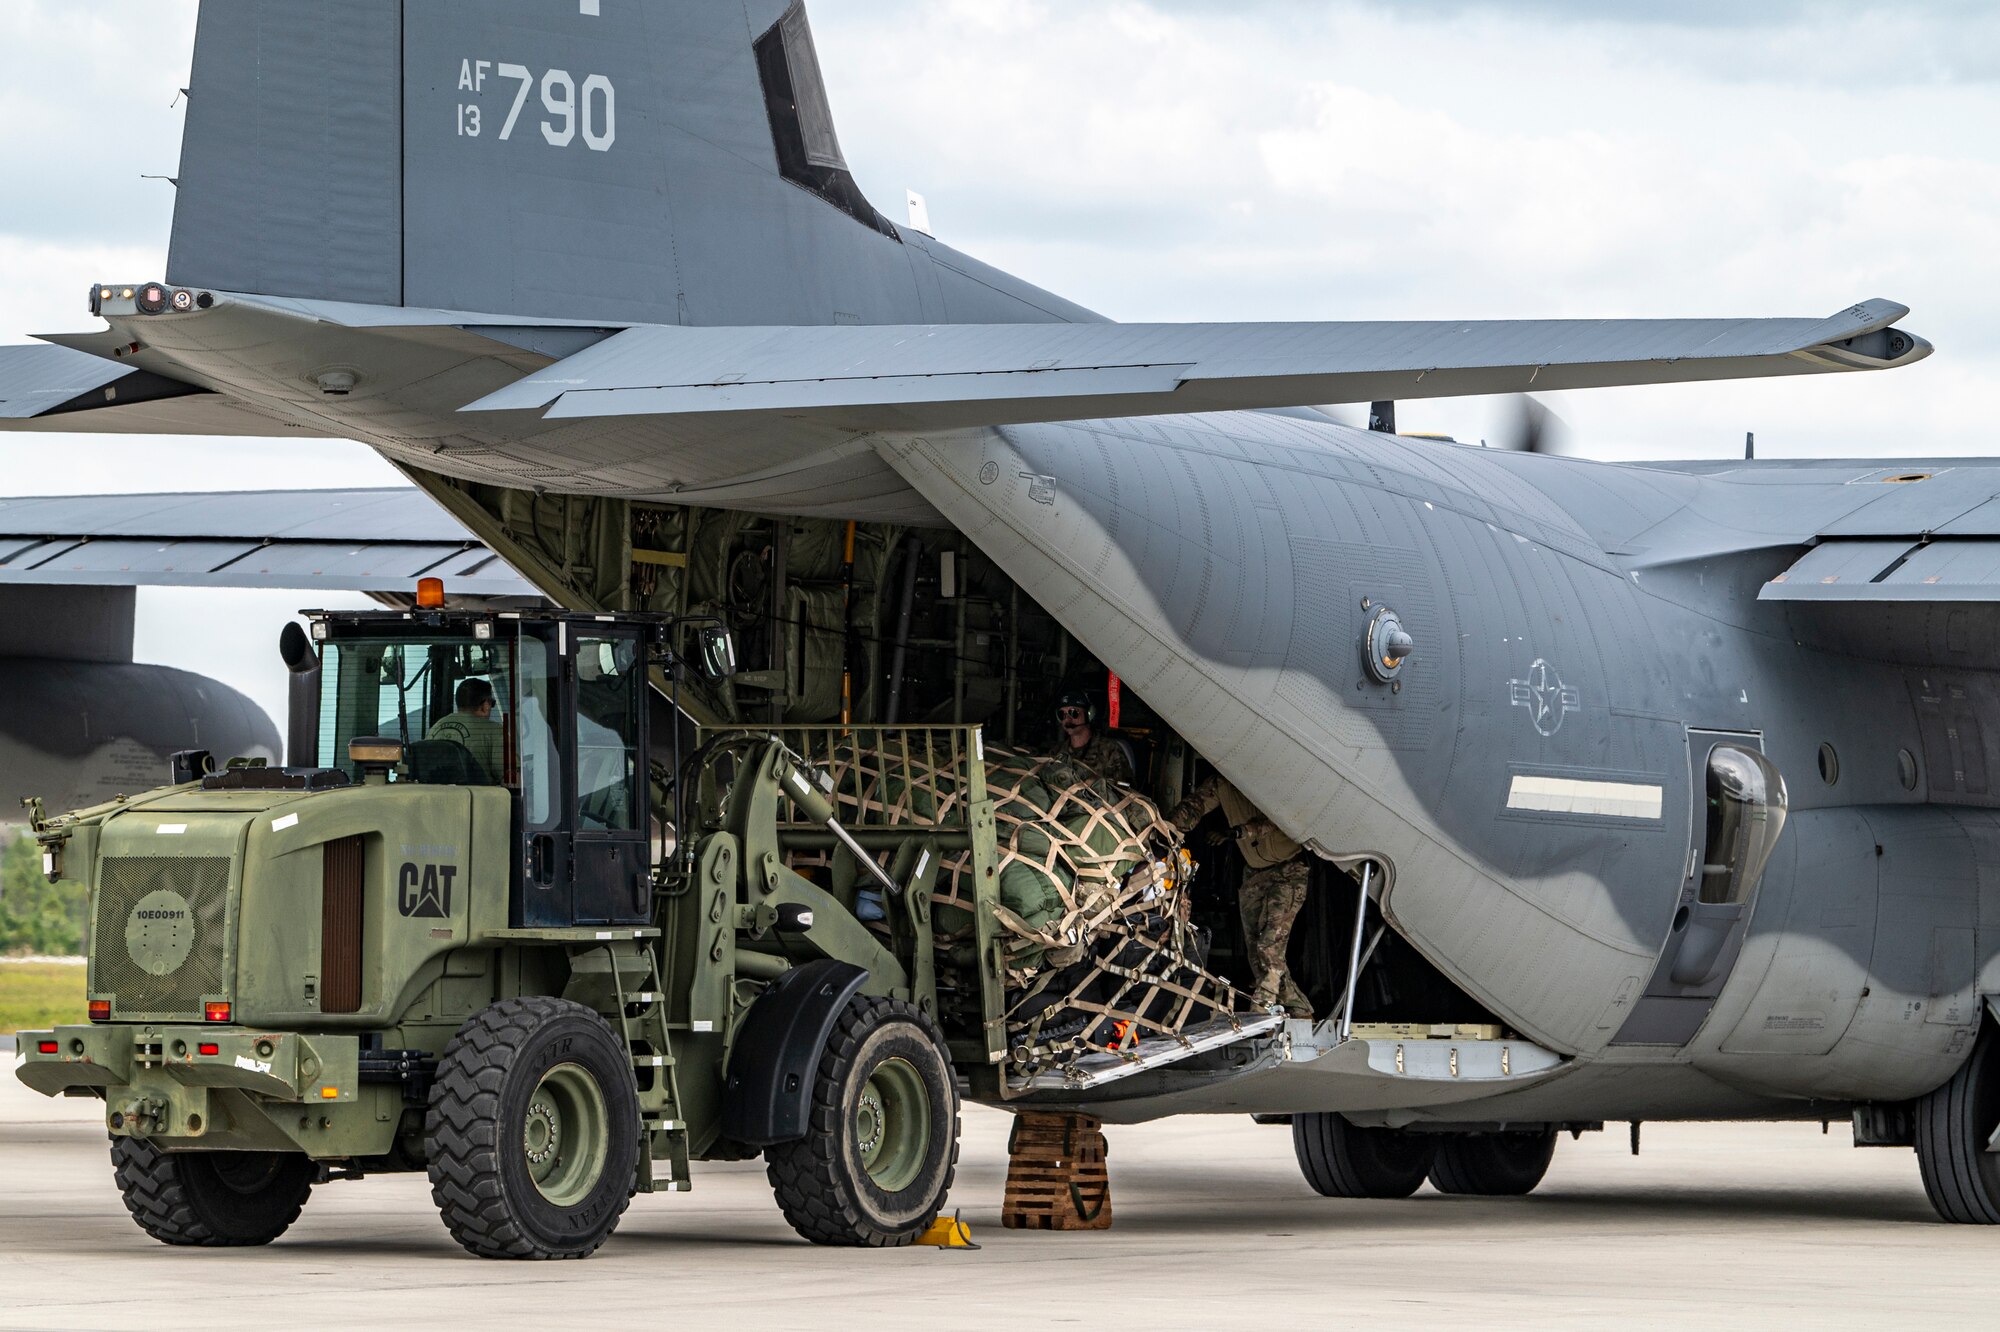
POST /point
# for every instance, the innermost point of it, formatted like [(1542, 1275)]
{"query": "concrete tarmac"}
[(1761, 1225)]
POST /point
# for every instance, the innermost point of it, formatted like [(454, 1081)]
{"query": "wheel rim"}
[(892, 1125), (565, 1134)]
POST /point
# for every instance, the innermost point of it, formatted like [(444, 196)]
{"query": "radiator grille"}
[(180, 945), (340, 927)]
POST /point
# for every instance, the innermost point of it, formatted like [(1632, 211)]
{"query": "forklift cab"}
[(553, 707)]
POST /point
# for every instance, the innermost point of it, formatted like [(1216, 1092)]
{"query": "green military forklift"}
[(462, 933)]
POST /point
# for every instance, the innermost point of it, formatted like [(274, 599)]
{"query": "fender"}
[(769, 1091)]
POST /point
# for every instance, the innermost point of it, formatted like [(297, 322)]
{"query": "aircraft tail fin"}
[(623, 161)]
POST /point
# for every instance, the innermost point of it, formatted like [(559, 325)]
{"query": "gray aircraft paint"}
[(681, 219), (83, 721), (1574, 621)]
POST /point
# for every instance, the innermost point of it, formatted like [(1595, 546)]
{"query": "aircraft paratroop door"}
[(1741, 810)]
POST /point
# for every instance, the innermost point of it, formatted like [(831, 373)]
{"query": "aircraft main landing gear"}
[(1343, 1160), (1494, 1165), (1954, 1124)]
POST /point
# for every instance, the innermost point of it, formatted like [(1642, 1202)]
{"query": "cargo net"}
[(1099, 953)]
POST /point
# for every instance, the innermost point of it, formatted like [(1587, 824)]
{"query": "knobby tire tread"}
[(149, 1181), (805, 1175), (463, 1141)]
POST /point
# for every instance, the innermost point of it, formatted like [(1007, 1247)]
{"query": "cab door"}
[(1739, 802), (609, 789), (580, 738)]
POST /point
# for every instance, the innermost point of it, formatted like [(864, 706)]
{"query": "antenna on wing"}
[(1749, 444)]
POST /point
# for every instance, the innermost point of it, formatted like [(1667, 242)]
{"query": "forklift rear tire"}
[(211, 1199), (881, 1138), (1493, 1165), (1343, 1160), (533, 1134), (1954, 1124)]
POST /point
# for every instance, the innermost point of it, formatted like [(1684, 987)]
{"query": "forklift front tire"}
[(881, 1139), (533, 1134)]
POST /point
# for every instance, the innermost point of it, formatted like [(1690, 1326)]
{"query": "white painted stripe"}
[(288, 821), (171, 828), (1570, 795)]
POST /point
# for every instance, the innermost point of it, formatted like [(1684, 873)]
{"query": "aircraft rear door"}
[(1739, 811)]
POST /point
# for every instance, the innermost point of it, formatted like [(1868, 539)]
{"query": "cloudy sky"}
[(1232, 159)]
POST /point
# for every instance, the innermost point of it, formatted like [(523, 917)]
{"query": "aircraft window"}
[(1746, 812), (1829, 764), (541, 777), (608, 677)]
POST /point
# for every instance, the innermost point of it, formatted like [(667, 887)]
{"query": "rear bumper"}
[(210, 1086)]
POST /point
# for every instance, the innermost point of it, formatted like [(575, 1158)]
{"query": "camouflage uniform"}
[(481, 737), (1103, 756), (1272, 892)]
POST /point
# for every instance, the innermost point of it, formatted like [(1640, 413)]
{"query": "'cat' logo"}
[(425, 890)]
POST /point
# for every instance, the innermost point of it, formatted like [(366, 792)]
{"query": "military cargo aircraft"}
[(1637, 792)]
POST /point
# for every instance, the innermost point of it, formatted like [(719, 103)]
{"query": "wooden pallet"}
[(1056, 1173)]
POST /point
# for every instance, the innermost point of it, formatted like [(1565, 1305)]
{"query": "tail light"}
[(47, 1047), (215, 1012), (100, 1010), (208, 1048)]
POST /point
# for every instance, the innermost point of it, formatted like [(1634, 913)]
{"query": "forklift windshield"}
[(449, 700)]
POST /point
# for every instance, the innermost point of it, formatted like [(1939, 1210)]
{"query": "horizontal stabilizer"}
[(821, 382), (35, 379), (58, 390)]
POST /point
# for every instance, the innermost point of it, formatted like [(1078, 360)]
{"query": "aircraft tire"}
[(211, 1199), (533, 1131), (881, 1141), (1493, 1165), (1953, 1126), (1343, 1160)]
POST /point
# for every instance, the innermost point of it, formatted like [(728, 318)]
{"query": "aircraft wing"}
[(372, 540), (59, 389), (817, 383)]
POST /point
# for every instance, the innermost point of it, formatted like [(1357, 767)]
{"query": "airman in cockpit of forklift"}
[(473, 727)]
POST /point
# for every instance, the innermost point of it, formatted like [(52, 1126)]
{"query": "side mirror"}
[(718, 653)]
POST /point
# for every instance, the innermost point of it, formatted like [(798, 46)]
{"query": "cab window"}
[(609, 674), (448, 702)]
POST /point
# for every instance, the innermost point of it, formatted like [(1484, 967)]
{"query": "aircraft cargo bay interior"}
[(879, 625)]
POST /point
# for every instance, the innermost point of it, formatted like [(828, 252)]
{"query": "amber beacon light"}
[(430, 593)]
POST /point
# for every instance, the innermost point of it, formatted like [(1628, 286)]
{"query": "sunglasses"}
[(1069, 712)]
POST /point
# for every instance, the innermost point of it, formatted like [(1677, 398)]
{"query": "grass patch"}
[(40, 994)]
